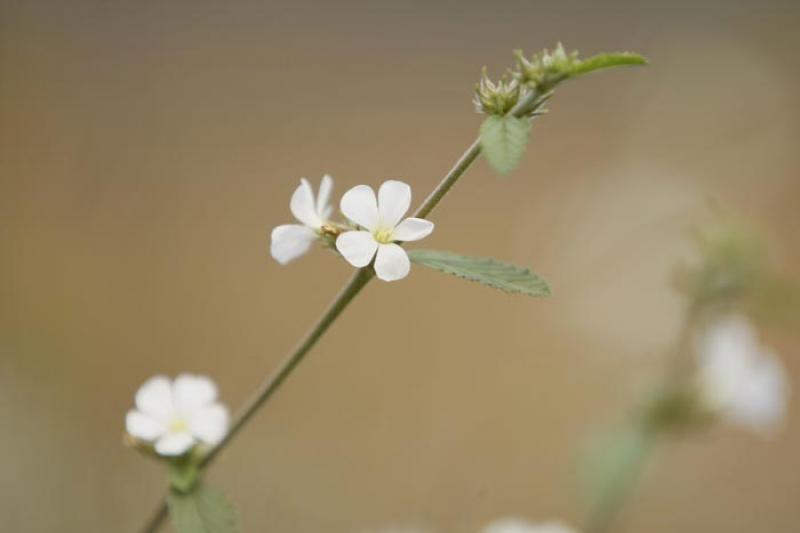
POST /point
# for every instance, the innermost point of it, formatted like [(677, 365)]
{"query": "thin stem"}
[(648, 433), (158, 517), (268, 387), (274, 380), (621, 486), (461, 166), (271, 384), (529, 104)]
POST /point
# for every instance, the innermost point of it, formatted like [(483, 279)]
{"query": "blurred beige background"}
[(147, 149)]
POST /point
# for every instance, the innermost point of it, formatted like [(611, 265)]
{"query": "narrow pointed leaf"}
[(606, 61), (503, 276), (203, 510), (503, 140)]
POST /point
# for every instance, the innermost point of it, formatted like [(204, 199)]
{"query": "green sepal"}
[(183, 474)]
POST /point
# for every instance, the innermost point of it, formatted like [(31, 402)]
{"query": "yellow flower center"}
[(383, 235), (178, 425)]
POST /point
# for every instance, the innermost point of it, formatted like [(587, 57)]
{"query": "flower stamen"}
[(178, 425), (384, 235)]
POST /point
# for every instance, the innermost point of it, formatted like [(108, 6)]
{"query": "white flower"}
[(290, 241), (398, 528), (520, 525), (175, 416), (380, 219), (740, 379)]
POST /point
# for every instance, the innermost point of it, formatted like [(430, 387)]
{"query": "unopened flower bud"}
[(545, 69), (496, 98)]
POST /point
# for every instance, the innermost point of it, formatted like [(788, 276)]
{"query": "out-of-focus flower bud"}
[(730, 266)]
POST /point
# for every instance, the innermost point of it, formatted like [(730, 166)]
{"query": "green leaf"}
[(503, 276), (605, 61), (503, 140), (203, 510)]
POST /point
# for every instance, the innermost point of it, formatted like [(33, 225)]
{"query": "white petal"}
[(154, 398), (727, 351), (174, 443), (412, 229), (359, 205), (391, 262), (394, 199), (143, 427), (509, 525), (357, 247), (324, 196), (303, 205), (209, 424), (290, 241), (190, 392), (761, 401), (520, 525)]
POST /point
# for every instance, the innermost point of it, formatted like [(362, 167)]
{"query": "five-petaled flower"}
[(739, 378), (174, 416), (380, 219), (290, 241)]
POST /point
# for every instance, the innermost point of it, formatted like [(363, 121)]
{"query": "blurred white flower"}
[(381, 219), (398, 528), (742, 380), (520, 525), (290, 241), (176, 415)]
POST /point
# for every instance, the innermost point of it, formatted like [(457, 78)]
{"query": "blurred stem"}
[(647, 431), (359, 280), (621, 485)]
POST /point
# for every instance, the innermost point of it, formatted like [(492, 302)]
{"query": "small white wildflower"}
[(290, 241), (520, 525), (740, 379), (381, 219), (176, 415)]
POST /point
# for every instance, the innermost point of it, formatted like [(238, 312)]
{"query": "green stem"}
[(619, 488), (357, 282), (648, 432), (529, 104), (271, 384)]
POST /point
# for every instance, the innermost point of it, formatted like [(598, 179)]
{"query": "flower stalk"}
[(359, 280), (719, 370), (298, 238)]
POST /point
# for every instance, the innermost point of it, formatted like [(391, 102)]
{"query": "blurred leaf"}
[(503, 140), (503, 276), (606, 61), (203, 510)]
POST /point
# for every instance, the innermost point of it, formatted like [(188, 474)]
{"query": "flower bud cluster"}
[(497, 98), (545, 69)]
